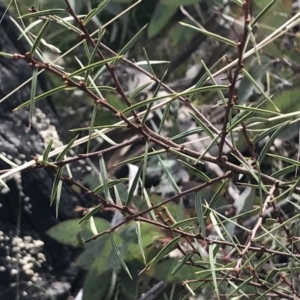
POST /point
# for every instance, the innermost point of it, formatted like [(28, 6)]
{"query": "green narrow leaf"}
[(68, 168), (203, 79), (182, 262), (221, 95), (200, 214), (101, 33), (185, 222), (148, 63), (145, 117), (134, 184), (270, 142), (212, 260), (32, 94), (253, 81), (28, 39), (86, 50), (38, 38), (163, 252), (284, 171), (145, 161), (94, 12), (196, 171), (140, 241), (3, 183), (91, 213), (212, 143), (47, 150), (140, 157), (138, 90), (93, 117), (93, 226), (238, 119), (55, 184), (94, 65), (117, 197), (186, 133), (262, 12), (251, 171), (66, 149), (99, 127), (164, 117), (58, 195), (216, 225), (105, 137), (148, 203), (118, 253), (170, 177), (110, 184), (266, 132), (42, 96), (48, 12), (256, 110), (214, 200), (129, 45), (12, 164), (288, 160), (203, 126), (104, 178), (175, 96), (7, 55), (210, 34)]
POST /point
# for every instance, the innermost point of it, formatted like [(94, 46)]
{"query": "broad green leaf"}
[(71, 233), (160, 18), (98, 284), (162, 271)]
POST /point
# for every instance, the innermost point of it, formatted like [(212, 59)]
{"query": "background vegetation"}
[(195, 169)]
